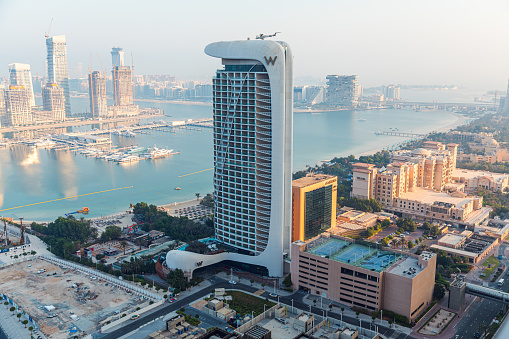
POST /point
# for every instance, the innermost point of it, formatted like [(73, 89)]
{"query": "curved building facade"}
[(253, 138)]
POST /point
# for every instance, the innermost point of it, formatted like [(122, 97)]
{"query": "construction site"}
[(10, 238), (61, 300)]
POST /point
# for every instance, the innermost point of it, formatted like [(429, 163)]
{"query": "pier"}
[(401, 134)]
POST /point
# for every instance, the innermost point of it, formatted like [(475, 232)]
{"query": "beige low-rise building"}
[(431, 206), (473, 180), (364, 276), (474, 247)]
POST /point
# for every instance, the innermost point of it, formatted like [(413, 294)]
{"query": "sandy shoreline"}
[(459, 121)]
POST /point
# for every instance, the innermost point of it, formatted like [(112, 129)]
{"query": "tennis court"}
[(330, 247), (379, 261), (353, 253)]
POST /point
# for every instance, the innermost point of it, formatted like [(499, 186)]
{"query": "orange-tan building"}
[(314, 199), (358, 275)]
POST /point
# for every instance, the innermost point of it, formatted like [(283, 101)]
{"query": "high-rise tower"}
[(97, 94), (17, 101), (123, 86), (117, 57), (253, 127), (53, 99), (20, 75), (57, 66)]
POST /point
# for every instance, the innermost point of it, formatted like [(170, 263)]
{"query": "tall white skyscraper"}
[(20, 75), (57, 66), (253, 128), (117, 57)]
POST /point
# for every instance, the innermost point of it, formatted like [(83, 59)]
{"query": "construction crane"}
[(22, 234), (6, 236), (47, 33), (262, 36)]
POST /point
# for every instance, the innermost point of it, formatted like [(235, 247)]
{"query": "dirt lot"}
[(94, 302)]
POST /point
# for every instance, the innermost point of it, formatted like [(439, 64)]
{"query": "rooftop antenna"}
[(262, 36), (47, 33)]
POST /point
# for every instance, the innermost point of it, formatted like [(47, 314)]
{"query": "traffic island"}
[(437, 323)]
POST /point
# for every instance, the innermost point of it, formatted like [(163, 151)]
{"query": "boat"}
[(177, 188), (137, 150), (362, 119), (128, 159), (128, 134), (45, 143), (155, 153)]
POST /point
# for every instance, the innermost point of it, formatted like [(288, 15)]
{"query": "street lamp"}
[(264, 308), (309, 308), (252, 317), (292, 305)]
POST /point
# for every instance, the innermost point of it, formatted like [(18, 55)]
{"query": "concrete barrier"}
[(128, 317)]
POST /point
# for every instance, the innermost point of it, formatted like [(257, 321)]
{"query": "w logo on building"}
[(270, 61)]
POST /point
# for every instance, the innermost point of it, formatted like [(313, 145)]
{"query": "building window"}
[(318, 211)]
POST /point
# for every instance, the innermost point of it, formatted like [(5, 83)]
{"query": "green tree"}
[(410, 244), (197, 247), (25, 322), (439, 291), (123, 243), (12, 309), (177, 280), (19, 317), (111, 233)]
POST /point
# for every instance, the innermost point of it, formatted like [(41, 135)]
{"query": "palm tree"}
[(403, 242), (123, 243), (197, 196)]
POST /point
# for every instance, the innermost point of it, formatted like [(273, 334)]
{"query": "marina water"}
[(31, 175)]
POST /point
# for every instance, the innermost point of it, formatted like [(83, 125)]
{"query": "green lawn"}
[(491, 261), (244, 303)]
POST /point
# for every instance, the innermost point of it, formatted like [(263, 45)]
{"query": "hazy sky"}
[(392, 41)]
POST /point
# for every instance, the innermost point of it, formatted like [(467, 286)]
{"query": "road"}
[(483, 310), (217, 282), (77, 123)]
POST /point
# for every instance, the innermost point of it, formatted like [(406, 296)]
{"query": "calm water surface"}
[(30, 176)]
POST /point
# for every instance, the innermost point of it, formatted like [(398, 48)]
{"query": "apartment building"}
[(57, 66), (97, 94), (18, 107), (435, 163), (314, 200), (364, 276), (20, 74), (342, 90), (53, 98)]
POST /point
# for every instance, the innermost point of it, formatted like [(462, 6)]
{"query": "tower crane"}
[(47, 33)]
